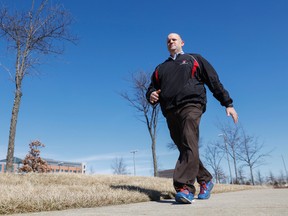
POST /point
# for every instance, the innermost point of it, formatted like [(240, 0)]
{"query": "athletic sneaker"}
[(184, 196), (205, 190)]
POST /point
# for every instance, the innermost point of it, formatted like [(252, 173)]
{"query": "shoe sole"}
[(183, 200)]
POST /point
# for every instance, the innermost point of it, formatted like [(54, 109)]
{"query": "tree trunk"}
[(252, 177), (235, 167), (154, 157), (217, 177), (12, 132)]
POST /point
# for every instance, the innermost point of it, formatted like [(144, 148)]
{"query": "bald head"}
[(174, 43), (174, 35)]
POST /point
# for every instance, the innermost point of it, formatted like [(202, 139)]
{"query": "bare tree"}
[(250, 153), (213, 157), (222, 176), (259, 177), (271, 178), (33, 162), (282, 179), (241, 175), (231, 143), (31, 34), (119, 167), (140, 82), (91, 169)]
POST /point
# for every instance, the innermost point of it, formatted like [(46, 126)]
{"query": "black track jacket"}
[(182, 81)]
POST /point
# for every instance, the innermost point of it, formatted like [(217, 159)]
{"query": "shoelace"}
[(203, 187)]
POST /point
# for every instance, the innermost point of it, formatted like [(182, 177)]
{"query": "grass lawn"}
[(46, 192)]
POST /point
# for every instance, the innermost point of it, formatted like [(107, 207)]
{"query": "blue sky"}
[(74, 106)]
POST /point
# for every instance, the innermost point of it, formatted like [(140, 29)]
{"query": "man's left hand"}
[(232, 112)]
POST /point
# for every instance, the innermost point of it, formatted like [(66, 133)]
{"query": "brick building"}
[(67, 167), (55, 165), (17, 163)]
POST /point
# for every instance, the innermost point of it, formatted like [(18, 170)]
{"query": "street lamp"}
[(284, 167), (133, 152), (226, 149)]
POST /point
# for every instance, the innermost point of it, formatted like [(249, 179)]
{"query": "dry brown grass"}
[(46, 192)]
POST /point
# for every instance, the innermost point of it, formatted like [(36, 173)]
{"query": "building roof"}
[(16, 160), (62, 163)]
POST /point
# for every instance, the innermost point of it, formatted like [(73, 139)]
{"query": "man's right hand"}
[(154, 97)]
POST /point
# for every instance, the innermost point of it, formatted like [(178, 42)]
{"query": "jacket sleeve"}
[(154, 84), (210, 77)]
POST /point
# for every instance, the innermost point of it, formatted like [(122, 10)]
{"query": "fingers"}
[(235, 118), (231, 112), (154, 97)]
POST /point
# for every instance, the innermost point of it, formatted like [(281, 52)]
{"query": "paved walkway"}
[(251, 202)]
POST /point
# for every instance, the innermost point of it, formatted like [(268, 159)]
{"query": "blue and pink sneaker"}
[(184, 196), (205, 190)]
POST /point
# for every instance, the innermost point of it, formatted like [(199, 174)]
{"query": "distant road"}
[(244, 203)]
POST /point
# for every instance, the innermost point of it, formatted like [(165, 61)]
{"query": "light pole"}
[(133, 152), (227, 155), (284, 167)]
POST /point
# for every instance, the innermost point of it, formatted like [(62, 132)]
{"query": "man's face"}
[(174, 43)]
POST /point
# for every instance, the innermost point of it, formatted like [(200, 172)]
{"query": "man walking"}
[(178, 84)]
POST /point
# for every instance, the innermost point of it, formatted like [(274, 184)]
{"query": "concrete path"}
[(251, 202)]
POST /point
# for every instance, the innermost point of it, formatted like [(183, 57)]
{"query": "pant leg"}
[(203, 174), (184, 130)]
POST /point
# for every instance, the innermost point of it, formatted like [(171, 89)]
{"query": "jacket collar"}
[(175, 55)]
